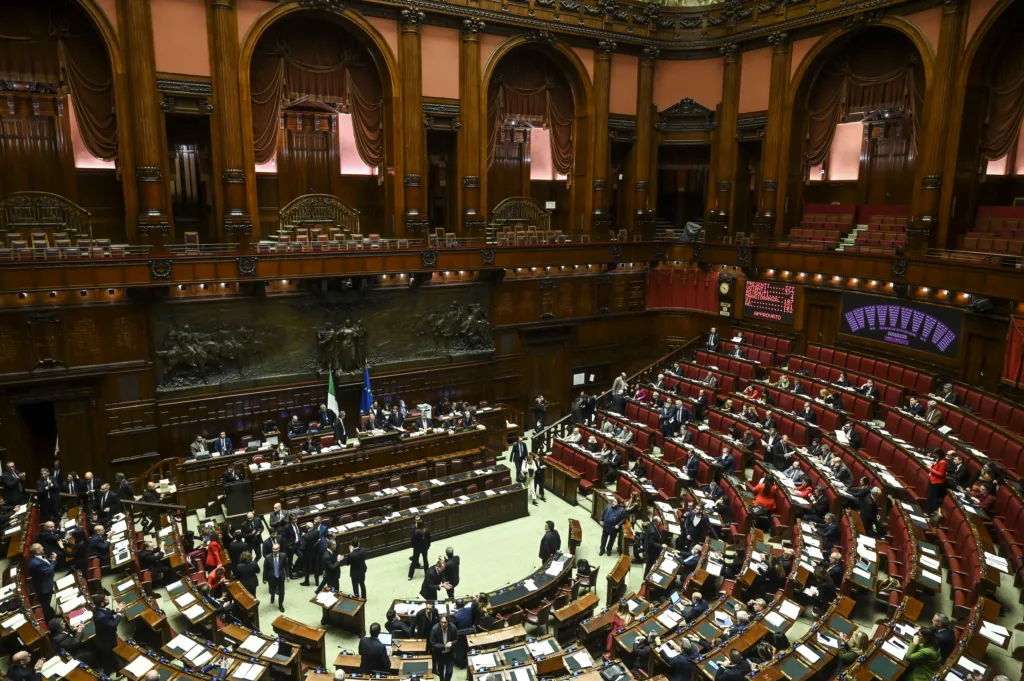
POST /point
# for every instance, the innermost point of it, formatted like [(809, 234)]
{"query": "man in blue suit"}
[(222, 444), (41, 570), (100, 546), (106, 621)]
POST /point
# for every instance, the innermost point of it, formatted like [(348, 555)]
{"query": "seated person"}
[(782, 383), (575, 436), (623, 435), (592, 445), (295, 426), (198, 447), (752, 391)]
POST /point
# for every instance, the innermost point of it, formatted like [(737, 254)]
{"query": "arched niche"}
[(983, 183), (894, 52), (315, 167), (565, 69)]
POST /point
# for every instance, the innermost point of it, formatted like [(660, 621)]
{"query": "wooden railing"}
[(542, 441), (164, 469)]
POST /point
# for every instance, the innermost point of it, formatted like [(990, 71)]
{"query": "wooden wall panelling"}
[(472, 216), (600, 219), (767, 224), (413, 131), (724, 158), (641, 215), (35, 149)]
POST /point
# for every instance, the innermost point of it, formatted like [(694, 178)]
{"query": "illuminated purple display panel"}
[(769, 300), (903, 322)]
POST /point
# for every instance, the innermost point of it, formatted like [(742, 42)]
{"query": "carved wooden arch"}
[(521, 210), (583, 111), (957, 100), (387, 69), (314, 210)]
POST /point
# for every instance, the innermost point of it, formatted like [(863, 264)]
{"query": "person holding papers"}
[(822, 591), (852, 436), (936, 483), (443, 640), (924, 655)]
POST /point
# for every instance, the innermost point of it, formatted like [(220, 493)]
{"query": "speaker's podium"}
[(237, 498)]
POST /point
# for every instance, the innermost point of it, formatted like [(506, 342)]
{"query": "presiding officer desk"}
[(195, 477)]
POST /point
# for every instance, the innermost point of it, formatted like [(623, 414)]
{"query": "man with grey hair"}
[(152, 675), (867, 503), (948, 395), (339, 675), (451, 571), (932, 415), (945, 635)]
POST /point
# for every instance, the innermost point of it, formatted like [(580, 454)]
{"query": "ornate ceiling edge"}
[(678, 48)]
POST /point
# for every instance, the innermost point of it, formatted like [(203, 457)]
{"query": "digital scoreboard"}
[(906, 323), (769, 300)]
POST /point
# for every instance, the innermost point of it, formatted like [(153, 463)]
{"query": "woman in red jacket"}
[(764, 492), (936, 484), (213, 559)]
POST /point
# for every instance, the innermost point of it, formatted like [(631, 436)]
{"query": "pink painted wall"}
[(440, 51), (928, 21), (488, 44), (755, 80), (248, 12), (587, 57), (700, 80), (977, 12), (800, 49), (623, 89), (109, 7), (844, 155), (180, 38), (388, 28)]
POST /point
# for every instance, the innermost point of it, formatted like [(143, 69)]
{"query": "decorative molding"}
[(931, 182), (698, 250), (411, 17), (472, 221), (154, 225), (606, 46), (184, 88), (743, 255), (649, 54), (333, 5), (413, 180), (487, 256), (441, 108), (543, 35), (160, 270), (863, 19), (471, 182), (428, 258), (473, 26), (729, 50), (751, 122), (237, 222), (416, 224), (616, 252), (547, 285), (233, 176), (899, 267), (616, 123), (687, 115), (149, 174), (778, 39), (246, 265)]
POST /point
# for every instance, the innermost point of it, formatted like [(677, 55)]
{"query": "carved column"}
[(236, 224), (470, 140), (643, 219), (601, 219), (725, 149), (153, 223), (414, 135), (932, 139), (767, 196)]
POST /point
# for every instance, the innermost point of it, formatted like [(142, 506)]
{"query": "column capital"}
[(730, 51), (606, 47), (471, 28), (222, 4), (411, 19), (649, 54), (779, 40)]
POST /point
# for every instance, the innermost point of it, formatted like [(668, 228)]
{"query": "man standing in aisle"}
[(518, 456), (619, 387), (611, 522), (275, 574), (40, 568), (443, 639)]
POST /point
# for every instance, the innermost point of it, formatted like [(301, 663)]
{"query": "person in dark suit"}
[(916, 408), (713, 340), (681, 658), (948, 395), (356, 560), (295, 426), (105, 640), (51, 540), (443, 639), (89, 490), (735, 669), (373, 655), (852, 435), (945, 635), (395, 420), (869, 390), (327, 417), (151, 559), (237, 546), (245, 572), (222, 444), (433, 580), (340, 434), (14, 485), (423, 423), (669, 420), (108, 503), (424, 621), (66, 641), (275, 573), (291, 535), (40, 568), (21, 668), (451, 571), (310, 555), (100, 546), (71, 484), (252, 532), (808, 414), (268, 543), (420, 546), (550, 543), (700, 405), (769, 421), (518, 455), (867, 503), (48, 496), (737, 351), (653, 541)]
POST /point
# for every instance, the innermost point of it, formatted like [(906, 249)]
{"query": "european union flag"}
[(367, 400)]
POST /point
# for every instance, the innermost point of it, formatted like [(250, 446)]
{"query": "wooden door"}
[(983, 361), (822, 322), (74, 428)]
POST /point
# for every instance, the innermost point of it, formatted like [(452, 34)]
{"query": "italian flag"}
[(332, 396)]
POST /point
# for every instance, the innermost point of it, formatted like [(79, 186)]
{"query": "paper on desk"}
[(484, 661), (184, 600), (15, 622), (139, 666), (583, 659), (714, 568), (81, 618), (828, 641), (775, 619), (866, 553), (124, 586), (253, 672), (541, 648), (930, 562), (933, 576), (252, 644), (970, 665), (195, 612), (435, 481), (863, 574), (668, 566), (669, 619), (530, 585), (807, 653), (895, 647), (789, 609), (326, 598), (183, 643), (271, 650), (521, 674), (65, 581)]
